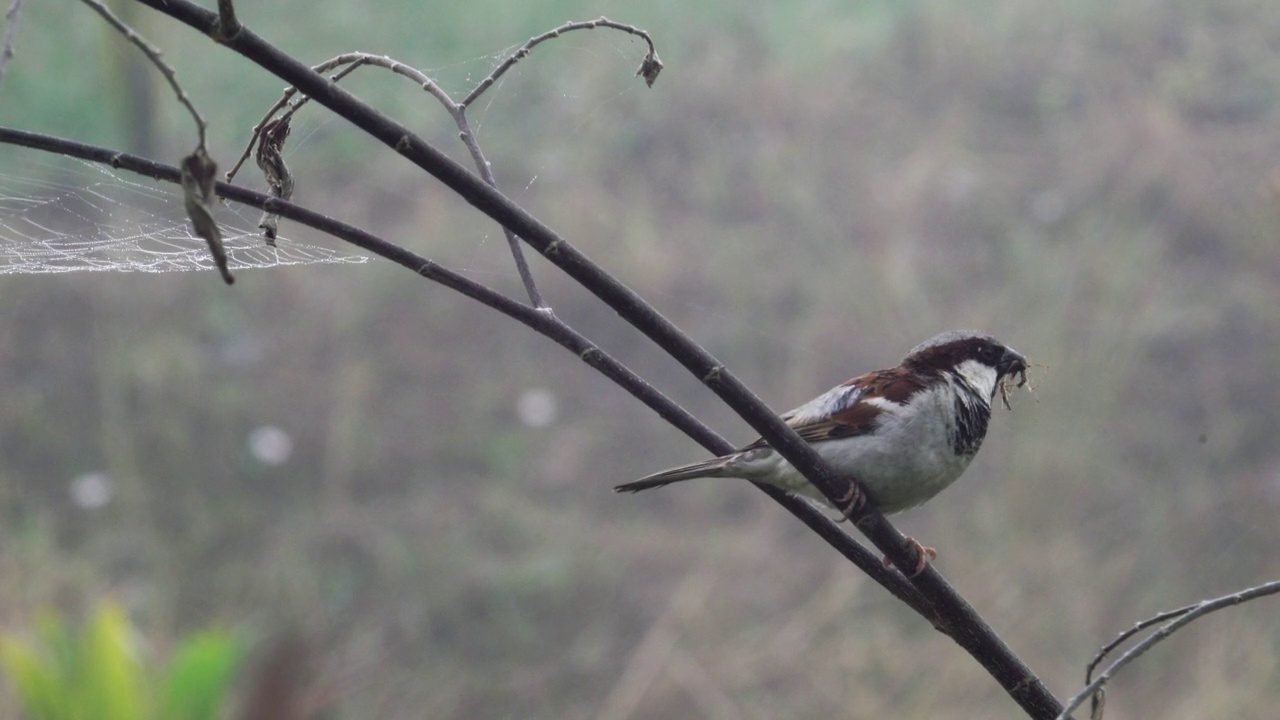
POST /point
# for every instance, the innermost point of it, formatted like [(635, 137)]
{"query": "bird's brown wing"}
[(858, 416)]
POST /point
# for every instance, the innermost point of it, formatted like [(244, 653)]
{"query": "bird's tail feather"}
[(706, 468)]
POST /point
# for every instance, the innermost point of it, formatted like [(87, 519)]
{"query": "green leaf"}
[(39, 686), (96, 674), (200, 675), (112, 676)]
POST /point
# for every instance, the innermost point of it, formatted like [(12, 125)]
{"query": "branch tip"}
[(227, 27), (650, 68)]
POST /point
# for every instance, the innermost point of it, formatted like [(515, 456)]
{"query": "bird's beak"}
[(1012, 363)]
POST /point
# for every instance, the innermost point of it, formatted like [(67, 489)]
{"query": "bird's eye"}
[(987, 353)]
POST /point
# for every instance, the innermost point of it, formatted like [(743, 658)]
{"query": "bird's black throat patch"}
[(972, 413)]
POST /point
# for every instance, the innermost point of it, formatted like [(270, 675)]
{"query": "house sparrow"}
[(905, 433)]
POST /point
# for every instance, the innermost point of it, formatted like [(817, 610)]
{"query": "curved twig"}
[(1182, 617), (154, 56), (287, 95), (355, 60), (1137, 628), (649, 68)]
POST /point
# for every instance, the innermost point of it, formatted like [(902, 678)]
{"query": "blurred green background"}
[(421, 488)]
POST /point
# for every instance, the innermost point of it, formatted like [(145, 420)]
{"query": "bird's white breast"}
[(905, 461)]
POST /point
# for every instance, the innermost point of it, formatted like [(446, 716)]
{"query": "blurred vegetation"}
[(810, 189), (98, 673)]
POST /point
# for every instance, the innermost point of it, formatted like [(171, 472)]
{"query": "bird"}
[(905, 433)]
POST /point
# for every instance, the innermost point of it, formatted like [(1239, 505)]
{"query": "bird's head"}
[(979, 359)]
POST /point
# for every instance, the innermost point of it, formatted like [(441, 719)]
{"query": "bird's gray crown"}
[(949, 337)]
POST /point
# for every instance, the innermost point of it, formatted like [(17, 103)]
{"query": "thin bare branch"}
[(10, 34), (287, 95), (1099, 697), (468, 137), (1182, 617), (154, 56), (457, 112), (649, 68)]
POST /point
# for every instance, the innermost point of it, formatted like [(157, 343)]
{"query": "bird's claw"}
[(924, 555), (851, 501)]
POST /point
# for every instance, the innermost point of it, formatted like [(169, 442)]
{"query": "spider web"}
[(75, 216)]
